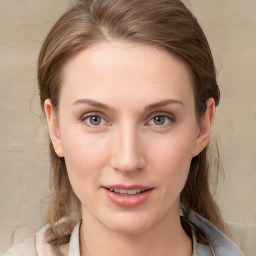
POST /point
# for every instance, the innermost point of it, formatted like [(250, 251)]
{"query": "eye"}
[(94, 120), (160, 120)]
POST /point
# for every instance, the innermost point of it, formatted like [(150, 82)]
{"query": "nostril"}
[(127, 153)]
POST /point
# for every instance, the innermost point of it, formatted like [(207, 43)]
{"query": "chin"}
[(129, 223)]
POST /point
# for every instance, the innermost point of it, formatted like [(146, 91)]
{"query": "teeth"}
[(125, 191), (132, 192)]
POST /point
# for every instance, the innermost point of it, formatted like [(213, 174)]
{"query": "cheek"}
[(83, 149), (172, 158), (173, 150), (85, 157)]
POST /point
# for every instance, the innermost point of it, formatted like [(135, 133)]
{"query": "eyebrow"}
[(97, 104), (164, 103), (92, 103)]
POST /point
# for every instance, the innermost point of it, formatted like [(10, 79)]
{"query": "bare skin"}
[(127, 118)]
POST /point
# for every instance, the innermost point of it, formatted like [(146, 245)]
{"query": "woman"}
[(129, 92)]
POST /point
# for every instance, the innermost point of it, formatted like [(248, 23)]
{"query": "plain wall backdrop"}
[(230, 26)]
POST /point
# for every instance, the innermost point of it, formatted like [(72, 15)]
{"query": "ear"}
[(205, 127), (53, 128)]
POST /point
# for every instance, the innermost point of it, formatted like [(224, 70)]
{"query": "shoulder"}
[(40, 244), (244, 236), (24, 249)]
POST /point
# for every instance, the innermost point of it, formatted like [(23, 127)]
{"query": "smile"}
[(128, 196), (127, 191)]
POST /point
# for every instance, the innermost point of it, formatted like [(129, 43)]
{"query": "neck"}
[(164, 239)]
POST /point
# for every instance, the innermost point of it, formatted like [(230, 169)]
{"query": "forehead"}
[(127, 70)]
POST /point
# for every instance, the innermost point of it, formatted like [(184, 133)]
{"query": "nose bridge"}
[(127, 155)]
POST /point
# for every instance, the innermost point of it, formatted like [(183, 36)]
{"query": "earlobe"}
[(205, 127), (53, 128)]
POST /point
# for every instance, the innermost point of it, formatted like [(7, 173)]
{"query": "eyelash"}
[(168, 117), (91, 115)]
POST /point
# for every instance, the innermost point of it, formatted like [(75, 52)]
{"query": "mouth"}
[(128, 196), (127, 192)]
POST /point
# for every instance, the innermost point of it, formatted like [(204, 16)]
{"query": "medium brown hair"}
[(166, 24)]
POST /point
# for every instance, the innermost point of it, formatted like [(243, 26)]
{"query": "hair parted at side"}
[(166, 24)]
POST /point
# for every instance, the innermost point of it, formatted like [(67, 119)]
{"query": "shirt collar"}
[(74, 249), (221, 244)]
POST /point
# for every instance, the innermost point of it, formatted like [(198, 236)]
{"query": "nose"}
[(127, 151)]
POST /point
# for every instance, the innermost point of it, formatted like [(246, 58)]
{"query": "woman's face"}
[(127, 129)]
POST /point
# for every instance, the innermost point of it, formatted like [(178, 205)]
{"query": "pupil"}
[(95, 120), (159, 120)]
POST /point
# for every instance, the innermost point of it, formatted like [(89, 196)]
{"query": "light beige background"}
[(230, 26)]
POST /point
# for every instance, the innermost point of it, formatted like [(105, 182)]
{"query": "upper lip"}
[(128, 187)]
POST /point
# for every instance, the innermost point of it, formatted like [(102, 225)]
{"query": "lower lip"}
[(128, 201)]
